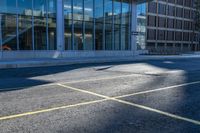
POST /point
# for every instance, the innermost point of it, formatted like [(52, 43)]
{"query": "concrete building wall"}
[(170, 27)]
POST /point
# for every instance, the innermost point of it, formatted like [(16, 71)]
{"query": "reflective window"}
[(108, 24), (117, 24), (68, 24), (89, 25), (99, 21), (141, 26), (8, 25), (40, 24), (28, 24), (125, 33), (51, 11), (78, 24), (25, 25)]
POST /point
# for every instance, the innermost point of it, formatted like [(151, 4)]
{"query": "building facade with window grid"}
[(171, 27), (67, 28)]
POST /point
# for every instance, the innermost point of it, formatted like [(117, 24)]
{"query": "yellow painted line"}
[(49, 110), (159, 89), (106, 98), (136, 105), (160, 112), (84, 91)]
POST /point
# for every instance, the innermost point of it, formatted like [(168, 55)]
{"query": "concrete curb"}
[(70, 61)]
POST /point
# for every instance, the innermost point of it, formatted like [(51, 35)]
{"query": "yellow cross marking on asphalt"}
[(116, 99), (135, 105)]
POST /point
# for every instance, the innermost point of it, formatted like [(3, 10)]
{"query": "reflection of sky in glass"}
[(141, 9), (98, 7), (9, 6)]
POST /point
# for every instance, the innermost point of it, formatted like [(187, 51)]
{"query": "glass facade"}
[(88, 24), (141, 26), (28, 24), (97, 24)]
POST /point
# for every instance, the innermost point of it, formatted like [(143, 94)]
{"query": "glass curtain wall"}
[(51, 24), (108, 14), (97, 24), (125, 24), (141, 27), (27, 24), (68, 24), (8, 25), (78, 18), (40, 24), (117, 24), (25, 28), (88, 24)]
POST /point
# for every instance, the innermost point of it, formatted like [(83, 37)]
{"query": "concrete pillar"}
[(60, 25), (133, 27)]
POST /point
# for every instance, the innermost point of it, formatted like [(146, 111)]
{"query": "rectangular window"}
[(151, 34), (40, 24), (25, 25), (89, 25), (8, 26)]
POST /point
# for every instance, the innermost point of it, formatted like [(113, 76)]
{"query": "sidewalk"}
[(42, 62)]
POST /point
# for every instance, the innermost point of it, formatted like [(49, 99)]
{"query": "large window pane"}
[(88, 19), (8, 24), (40, 25), (141, 26), (25, 24), (52, 24), (117, 24), (78, 24), (108, 24), (99, 24), (125, 25), (68, 24)]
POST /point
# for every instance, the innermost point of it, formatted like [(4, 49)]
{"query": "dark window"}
[(171, 10), (178, 24), (162, 9), (179, 12), (170, 23), (151, 34), (170, 35), (186, 13), (171, 1), (161, 35), (178, 36), (186, 25), (152, 21), (162, 22), (152, 7), (186, 36), (179, 2)]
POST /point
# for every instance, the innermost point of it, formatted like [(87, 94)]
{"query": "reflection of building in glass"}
[(170, 27), (141, 27), (68, 26)]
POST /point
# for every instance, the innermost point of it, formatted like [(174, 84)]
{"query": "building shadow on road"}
[(20, 78), (120, 117)]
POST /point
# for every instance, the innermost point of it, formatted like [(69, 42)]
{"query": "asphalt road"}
[(160, 96)]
